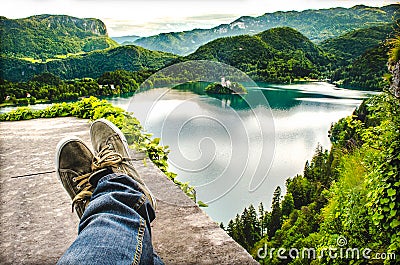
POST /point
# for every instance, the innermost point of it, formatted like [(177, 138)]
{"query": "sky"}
[(150, 17)]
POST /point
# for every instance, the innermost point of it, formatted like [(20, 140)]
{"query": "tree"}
[(47, 78), (287, 205), (301, 190), (276, 214), (230, 228), (251, 227), (261, 219)]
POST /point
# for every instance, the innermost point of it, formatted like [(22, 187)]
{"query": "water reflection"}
[(302, 116)]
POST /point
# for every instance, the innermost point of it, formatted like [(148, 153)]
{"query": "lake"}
[(235, 150)]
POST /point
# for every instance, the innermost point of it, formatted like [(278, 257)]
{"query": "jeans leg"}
[(115, 227)]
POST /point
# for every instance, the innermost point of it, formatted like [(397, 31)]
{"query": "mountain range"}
[(317, 25), (81, 48)]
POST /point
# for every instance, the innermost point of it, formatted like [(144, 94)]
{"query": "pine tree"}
[(230, 228), (276, 214), (287, 205), (261, 219), (247, 229)]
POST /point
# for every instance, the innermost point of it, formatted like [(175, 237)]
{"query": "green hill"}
[(317, 25), (359, 57), (275, 55), (49, 36), (365, 72), (287, 39), (93, 64), (353, 44)]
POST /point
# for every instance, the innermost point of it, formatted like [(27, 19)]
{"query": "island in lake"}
[(225, 87)]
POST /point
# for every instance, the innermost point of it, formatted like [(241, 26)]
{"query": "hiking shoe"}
[(73, 167), (112, 152)]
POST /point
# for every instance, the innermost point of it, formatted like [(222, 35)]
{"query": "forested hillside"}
[(93, 64), (69, 48), (317, 25), (359, 58), (49, 36), (365, 72), (47, 86), (275, 55), (353, 44)]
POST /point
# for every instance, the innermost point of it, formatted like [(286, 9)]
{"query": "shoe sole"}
[(60, 146), (115, 129)]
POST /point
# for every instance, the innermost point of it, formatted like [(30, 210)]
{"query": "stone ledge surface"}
[(37, 224)]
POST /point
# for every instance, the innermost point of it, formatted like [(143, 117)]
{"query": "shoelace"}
[(107, 158), (85, 193)]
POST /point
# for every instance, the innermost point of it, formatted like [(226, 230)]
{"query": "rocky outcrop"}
[(87, 25), (395, 85), (51, 36)]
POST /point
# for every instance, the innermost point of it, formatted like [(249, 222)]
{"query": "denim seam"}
[(140, 235), (140, 202)]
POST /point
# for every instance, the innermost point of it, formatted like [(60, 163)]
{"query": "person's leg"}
[(114, 228)]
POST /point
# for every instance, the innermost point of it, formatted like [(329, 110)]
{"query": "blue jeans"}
[(115, 227)]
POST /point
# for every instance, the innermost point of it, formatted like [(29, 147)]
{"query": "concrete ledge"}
[(37, 224)]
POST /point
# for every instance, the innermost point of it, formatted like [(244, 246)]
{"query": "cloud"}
[(165, 24)]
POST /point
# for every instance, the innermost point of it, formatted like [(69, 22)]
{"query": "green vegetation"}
[(351, 191), (233, 88), (356, 59), (281, 55), (317, 25), (50, 87), (359, 58), (93, 108), (365, 72), (47, 36), (92, 65), (348, 47), (276, 55)]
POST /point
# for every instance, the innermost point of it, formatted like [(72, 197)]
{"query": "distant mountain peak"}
[(316, 24)]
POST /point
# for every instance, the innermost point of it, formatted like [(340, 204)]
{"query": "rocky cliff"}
[(395, 85), (49, 36)]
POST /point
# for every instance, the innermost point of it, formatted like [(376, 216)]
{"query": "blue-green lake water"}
[(237, 149)]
